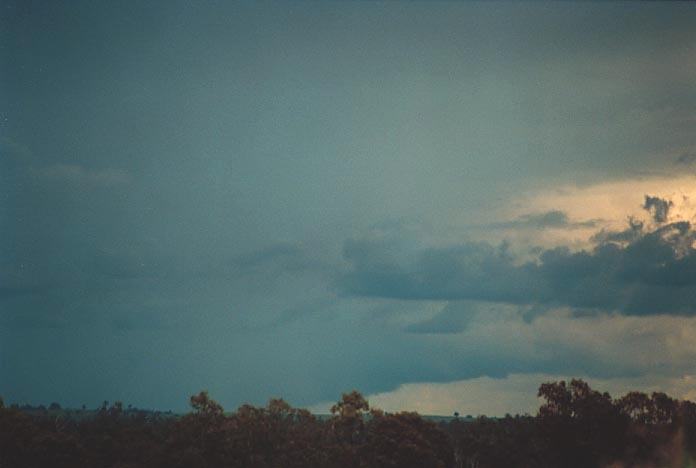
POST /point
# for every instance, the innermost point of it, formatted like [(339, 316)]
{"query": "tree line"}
[(575, 426)]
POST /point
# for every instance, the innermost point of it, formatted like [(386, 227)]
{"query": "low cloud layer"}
[(635, 272), (616, 353)]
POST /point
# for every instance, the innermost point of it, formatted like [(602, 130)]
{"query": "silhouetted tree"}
[(582, 426), (576, 427)]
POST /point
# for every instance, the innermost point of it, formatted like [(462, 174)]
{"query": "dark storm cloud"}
[(177, 179), (657, 207), (653, 273), (556, 219)]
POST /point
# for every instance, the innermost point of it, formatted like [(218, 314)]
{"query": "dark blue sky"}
[(296, 199)]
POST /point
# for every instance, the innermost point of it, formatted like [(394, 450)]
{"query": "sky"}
[(440, 204)]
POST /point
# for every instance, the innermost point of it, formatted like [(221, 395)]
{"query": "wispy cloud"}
[(554, 219)]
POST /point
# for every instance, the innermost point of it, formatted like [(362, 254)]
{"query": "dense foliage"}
[(575, 427)]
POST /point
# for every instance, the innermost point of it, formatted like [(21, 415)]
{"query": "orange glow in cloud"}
[(608, 204)]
